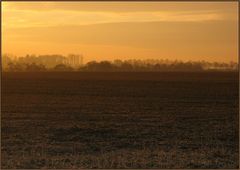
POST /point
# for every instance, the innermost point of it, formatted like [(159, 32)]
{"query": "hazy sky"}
[(123, 30)]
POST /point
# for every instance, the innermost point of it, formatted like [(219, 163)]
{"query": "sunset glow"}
[(122, 30)]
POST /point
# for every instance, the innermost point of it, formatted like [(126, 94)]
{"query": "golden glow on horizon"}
[(123, 30)]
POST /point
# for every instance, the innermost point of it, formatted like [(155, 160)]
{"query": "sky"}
[(123, 30)]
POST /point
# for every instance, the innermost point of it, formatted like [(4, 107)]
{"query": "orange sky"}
[(123, 30)]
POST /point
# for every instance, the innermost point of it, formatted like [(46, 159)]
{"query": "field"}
[(120, 120)]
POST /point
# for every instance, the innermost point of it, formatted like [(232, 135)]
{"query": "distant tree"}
[(15, 67), (91, 66), (34, 67), (5, 61), (118, 63), (126, 67), (62, 67), (105, 66)]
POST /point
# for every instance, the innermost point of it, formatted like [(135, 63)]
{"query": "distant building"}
[(75, 60), (51, 61)]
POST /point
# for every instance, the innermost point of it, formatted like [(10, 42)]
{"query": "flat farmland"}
[(120, 120)]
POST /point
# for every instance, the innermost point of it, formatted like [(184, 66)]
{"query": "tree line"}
[(124, 66)]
